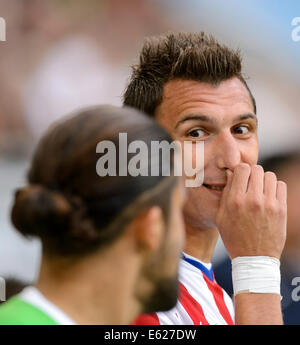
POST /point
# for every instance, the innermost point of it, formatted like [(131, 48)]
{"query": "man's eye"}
[(241, 130), (197, 133)]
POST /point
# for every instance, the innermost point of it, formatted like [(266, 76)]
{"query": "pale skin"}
[(223, 118), (105, 287)]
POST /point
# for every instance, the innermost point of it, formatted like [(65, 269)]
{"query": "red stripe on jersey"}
[(217, 292), (191, 306), (147, 319)]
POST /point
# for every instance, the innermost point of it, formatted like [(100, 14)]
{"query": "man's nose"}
[(228, 154)]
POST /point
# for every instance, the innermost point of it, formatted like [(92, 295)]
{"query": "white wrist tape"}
[(256, 274)]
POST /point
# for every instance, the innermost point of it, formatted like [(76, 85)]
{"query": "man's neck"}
[(200, 243), (86, 298)]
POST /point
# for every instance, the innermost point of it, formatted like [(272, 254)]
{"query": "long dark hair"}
[(66, 203)]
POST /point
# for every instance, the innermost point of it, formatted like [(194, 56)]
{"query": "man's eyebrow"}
[(204, 118), (246, 117), (193, 117)]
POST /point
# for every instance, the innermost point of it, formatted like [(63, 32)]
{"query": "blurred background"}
[(64, 54)]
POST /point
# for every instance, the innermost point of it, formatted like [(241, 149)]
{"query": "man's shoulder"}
[(18, 312)]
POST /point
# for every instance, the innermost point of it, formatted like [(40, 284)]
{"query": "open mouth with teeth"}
[(218, 188)]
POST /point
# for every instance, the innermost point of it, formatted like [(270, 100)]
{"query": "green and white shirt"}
[(30, 307)]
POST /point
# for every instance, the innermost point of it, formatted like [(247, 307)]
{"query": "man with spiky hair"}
[(194, 87)]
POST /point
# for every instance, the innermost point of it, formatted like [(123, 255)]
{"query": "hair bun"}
[(38, 211)]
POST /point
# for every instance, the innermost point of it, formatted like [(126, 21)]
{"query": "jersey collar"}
[(196, 263)]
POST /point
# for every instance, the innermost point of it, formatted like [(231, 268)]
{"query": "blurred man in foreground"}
[(111, 243)]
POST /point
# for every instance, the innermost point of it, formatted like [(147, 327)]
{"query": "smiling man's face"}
[(223, 118)]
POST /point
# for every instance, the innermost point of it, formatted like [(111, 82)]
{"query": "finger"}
[(227, 188), (281, 192), (240, 179), (270, 184), (256, 180)]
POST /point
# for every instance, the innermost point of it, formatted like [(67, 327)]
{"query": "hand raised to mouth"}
[(256, 203)]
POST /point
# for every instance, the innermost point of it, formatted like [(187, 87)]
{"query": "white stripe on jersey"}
[(193, 280)]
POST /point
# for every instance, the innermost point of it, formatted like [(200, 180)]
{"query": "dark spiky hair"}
[(190, 56)]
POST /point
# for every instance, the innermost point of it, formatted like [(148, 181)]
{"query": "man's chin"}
[(201, 211), (203, 222)]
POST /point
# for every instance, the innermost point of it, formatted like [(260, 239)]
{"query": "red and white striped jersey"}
[(201, 300)]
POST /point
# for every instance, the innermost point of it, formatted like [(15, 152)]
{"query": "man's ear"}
[(149, 229)]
